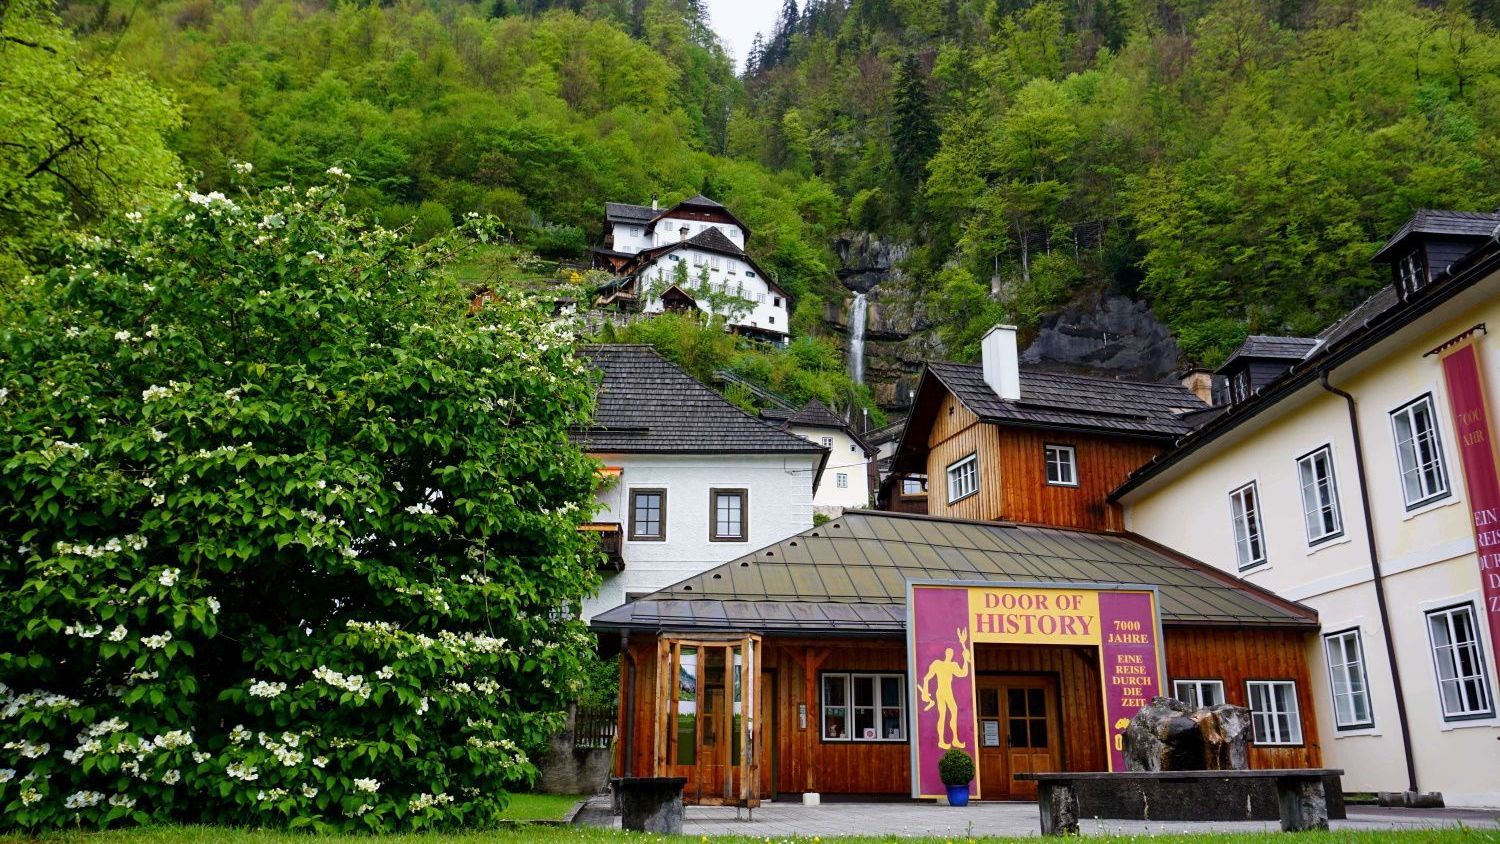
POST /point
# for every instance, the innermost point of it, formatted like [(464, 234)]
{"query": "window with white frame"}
[(715, 263), (1320, 500), (1458, 655), (731, 520), (913, 486), (1062, 465), (1249, 544), (1199, 693), (1273, 712), (1411, 273), (843, 480), (1347, 680), (1419, 452), (864, 707), (963, 478), (827, 442)]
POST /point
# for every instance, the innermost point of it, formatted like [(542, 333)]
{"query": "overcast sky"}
[(737, 21)]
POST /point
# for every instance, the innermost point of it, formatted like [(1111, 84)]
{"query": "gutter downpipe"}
[(629, 724), (1378, 579)]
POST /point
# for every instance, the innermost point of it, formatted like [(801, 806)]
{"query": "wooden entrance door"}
[(1018, 733)]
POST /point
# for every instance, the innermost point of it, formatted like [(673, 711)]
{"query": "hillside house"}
[(850, 475), (696, 480), (690, 257)]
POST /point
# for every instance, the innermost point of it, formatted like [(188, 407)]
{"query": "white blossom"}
[(7, 774), (124, 801), (168, 577), (309, 791), (158, 642), (242, 167), (337, 172), (240, 771), (82, 799), (213, 605), (171, 777), (262, 688), (320, 761), (367, 784)]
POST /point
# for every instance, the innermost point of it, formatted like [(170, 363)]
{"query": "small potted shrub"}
[(956, 770)]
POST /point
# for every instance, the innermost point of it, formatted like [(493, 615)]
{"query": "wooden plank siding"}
[(955, 434), (802, 761), (1103, 463), (1236, 656)]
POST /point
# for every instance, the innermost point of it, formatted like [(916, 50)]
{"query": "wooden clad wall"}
[(1237, 655), (1103, 464), (956, 433)]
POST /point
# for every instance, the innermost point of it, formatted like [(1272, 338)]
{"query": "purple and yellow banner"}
[(1464, 377), (945, 620)]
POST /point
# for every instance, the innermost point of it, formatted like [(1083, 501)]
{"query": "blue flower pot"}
[(958, 795)]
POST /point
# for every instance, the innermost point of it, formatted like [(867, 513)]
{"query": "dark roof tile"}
[(1264, 346), (1435, 221)]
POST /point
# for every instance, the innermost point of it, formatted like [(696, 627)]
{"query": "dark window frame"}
[(1333, 493), (1437, 447), (1476, 618), (632, 534), (1359, 646), (713, 514)]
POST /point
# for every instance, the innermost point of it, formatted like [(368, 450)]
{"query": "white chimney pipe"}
[(653, 202), (1002, 367)]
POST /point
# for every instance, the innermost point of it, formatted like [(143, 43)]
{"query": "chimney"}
[(1002, 369), (682, 233), (1200, 382), (653, 202)]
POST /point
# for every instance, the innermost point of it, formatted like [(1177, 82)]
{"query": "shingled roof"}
[(1267, 347), (849, 576), (1055, 399), (647, 404), (1441, 222), (624, 212)]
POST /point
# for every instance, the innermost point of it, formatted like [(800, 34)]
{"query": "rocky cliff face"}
[(1101, 333)]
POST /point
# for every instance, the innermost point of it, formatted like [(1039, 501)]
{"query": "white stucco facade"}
[(846, 478), (727, 275), (1426, 553), (636, 236), (780, 503)]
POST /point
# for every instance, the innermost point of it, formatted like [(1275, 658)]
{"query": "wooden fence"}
[(594, 728)]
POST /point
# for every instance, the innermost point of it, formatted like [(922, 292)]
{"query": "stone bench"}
[(1302, 799), (650, 804)]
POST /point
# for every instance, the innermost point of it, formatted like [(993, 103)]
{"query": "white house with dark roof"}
[(696, 480), (689, 256), (1355, 473), (849, 478)]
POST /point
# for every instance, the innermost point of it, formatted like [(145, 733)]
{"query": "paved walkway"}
[(779, 820)]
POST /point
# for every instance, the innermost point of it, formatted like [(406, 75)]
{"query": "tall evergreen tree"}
[(914, 134)]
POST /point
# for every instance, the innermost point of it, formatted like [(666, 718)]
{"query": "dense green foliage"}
[(82, 137), (809, 368), (1237, 162), (284, 527)]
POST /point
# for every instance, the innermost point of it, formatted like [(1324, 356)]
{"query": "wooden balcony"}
[(611, 542)]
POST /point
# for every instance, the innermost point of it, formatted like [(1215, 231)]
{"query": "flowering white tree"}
[(285, 526)]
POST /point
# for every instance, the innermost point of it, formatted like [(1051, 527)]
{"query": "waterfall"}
[(857, 338)]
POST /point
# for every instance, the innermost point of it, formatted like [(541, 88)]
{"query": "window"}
[(1346, 678), (731, 516), (675, 257), (1239, 386), (1419, 453), (648, 515), (1062, 465), (963, 478), (1458, 654), (715, 263), (1273, 712), (843, 480), (635, 231), (749, 273), (776, 301), (1199, 693), (913, 486), (1411, 275), (1249, 546), (698, 259), (1320, 503), (827, 442), (864, 707)]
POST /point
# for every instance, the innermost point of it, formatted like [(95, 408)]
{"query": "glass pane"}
[(1188, 694), (687, 707), (835, 711), (1038, 732), (1018, 733), (1213, 694), (1037, 702), (890, 723), (890, 691), (864, 723), (864, 691), (1016, 702), (989, 703)]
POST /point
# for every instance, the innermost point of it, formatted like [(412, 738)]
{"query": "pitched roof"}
[(1264, 346), (647, 404), (624, 212), (815, 414), (849, 576), (1053, 399), (1477, 224), (709, 240)]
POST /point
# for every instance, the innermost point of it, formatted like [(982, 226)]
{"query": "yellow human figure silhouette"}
[(945, 671)]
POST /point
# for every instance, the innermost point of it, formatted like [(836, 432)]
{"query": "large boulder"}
[(1167, 735)]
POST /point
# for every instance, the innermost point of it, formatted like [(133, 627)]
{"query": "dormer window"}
[(1239, 386), (1411, 275)]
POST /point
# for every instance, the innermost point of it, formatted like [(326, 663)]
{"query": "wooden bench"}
[(1300, 794)]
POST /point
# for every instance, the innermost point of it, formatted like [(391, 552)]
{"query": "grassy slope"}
[(580, 835)]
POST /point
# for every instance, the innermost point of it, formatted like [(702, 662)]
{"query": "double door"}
[(1018, 733)]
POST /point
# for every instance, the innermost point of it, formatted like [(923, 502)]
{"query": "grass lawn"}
[(541, 807), (578, 835)]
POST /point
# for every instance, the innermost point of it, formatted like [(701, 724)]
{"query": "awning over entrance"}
[(849, 577)]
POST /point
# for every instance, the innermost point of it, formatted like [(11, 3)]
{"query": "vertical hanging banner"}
[(945, 620), (1463, 374)]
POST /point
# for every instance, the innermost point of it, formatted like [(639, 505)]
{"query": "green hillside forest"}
[(1235, 163)]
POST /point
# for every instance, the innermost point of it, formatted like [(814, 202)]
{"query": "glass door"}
[(704, 698)]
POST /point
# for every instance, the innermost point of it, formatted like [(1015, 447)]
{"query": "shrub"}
[(285, 528), (956, 767)]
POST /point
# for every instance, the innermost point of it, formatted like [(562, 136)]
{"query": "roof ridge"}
[(1170, 385)]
